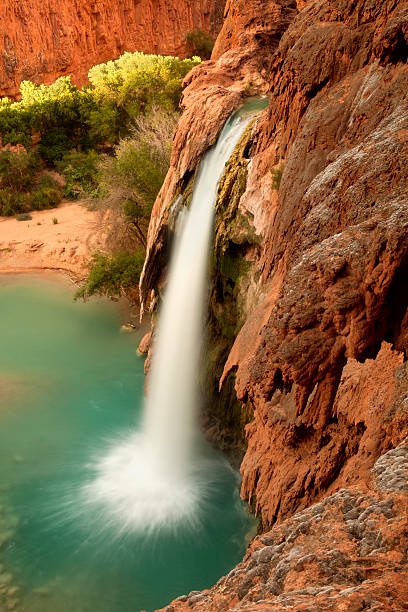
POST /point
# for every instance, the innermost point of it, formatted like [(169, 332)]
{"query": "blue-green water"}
[(69, 384)]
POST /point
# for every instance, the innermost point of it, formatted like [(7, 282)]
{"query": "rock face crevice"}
[(41, 41)]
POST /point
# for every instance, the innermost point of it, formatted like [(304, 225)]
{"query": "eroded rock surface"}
[(348, 552), (322, 224), (311, 242), (41, 41), (337, 242)]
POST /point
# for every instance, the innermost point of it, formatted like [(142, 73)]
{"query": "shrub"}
[(81, 174), (55, 220), (12, 203), (18, 169), (21, 190), (45, 197), (200, 43), (111, 275), (8, 203), (133, 177)]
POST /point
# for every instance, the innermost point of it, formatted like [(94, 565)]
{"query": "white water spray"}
[(153, 478)]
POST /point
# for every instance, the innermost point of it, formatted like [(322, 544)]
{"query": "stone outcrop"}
[(336, 245), (41, 41), (315, 253), (347, 552), (212, 90)]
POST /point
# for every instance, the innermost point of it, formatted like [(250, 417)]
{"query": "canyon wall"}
[(41, 41), (309, 304)]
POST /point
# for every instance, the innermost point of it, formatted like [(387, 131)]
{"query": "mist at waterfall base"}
[(157, 478), (70, 383)]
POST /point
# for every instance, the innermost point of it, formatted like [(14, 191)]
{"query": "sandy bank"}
[(41, 244)]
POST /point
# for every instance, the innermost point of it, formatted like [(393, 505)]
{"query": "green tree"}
[(200, 43), (112, 274), (132, 178)]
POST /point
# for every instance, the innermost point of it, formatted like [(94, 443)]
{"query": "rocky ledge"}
[(347, 552)]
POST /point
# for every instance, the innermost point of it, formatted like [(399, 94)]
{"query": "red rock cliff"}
[(320, 359), (41, 41)]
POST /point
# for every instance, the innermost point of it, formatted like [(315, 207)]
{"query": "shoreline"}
[(129, 310), (61, 239)]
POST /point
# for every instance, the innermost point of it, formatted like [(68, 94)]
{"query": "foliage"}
[(60, 117), (18, 169), (45, 197), (11, 203), (132, 178), (47, 194), (277, 176), (54, 220), (81, 174), (136, 82), (111, 275), (20, 189), (54, 115), (200, 43)]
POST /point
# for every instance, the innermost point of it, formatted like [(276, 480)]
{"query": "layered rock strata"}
[(41, 41)]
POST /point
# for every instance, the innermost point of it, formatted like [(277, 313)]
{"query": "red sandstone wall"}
[(42, 40), (321, 358)]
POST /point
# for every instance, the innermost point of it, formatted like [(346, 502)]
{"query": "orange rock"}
[(145, 343), (41, 41), (321, 359)]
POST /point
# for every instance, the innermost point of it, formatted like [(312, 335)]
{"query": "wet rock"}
[(145, 343)]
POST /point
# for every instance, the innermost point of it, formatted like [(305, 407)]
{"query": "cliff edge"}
[(311, 245)]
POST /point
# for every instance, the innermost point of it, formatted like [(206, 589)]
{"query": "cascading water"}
[(154, 478)]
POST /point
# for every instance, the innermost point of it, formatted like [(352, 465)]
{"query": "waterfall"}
[(169, 424), (154, 478)]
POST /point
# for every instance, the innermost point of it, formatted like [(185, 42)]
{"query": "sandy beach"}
[(41, 244)]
